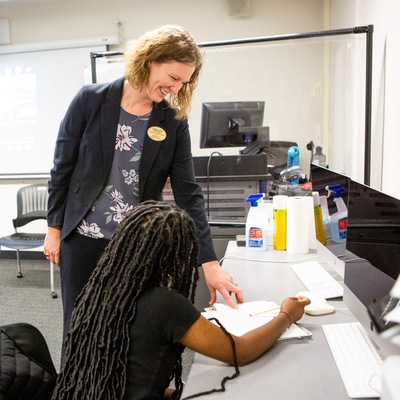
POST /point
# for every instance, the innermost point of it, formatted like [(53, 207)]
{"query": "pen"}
[(265, 311)]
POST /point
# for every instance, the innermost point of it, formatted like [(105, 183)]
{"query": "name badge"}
[(156, 133)]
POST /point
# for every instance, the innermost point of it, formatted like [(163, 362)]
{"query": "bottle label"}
[(255, 237), (342, 226)]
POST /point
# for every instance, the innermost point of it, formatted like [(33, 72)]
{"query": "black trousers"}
[(78, 258)]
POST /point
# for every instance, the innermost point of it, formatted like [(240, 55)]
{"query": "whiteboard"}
[(35, 90)]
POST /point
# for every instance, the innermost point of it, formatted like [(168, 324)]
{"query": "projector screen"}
[(35, 90)]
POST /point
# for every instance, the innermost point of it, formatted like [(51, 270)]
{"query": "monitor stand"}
[(334, 262)]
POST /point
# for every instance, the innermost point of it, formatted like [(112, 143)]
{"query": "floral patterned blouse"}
[(121, 192)]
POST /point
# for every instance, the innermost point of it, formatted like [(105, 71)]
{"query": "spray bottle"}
[(257, 224), (293, 163), (338, 220)]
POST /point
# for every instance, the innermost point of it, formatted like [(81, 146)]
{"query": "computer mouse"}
[(312, 296), (319, 309)]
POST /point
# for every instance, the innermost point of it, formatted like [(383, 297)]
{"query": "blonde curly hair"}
[(167, 43)]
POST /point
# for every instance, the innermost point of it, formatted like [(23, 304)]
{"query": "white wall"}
[(208, 20), (384, 15)]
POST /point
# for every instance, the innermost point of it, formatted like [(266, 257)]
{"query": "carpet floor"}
[(28, 299)]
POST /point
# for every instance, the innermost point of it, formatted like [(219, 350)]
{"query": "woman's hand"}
[(218, 279), (52, 244)]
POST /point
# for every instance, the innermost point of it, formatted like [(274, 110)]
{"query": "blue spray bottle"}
[(293, 157), (293, 162), (338, 220)]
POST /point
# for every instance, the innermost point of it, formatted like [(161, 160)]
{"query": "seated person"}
[(136, 314)]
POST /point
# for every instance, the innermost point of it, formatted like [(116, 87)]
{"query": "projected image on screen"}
[(36, 88), (18, 111)]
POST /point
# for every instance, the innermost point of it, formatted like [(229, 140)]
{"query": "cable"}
[(233, 257), (208, 180)]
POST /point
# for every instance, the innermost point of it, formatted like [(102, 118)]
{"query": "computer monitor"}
[(234, 124), (372, 250), (372, 259)]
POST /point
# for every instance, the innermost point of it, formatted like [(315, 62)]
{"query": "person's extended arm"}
[(188, 195), (218, 279), (209, 339)]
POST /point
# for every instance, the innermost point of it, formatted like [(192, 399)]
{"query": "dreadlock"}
[(155, 245)]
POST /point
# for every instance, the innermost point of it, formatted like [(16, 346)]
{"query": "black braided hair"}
[(155, 245)]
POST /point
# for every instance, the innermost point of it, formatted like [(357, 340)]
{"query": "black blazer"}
[(84, 153)]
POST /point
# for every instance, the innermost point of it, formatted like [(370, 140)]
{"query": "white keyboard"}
[(316, 279), (357, 360)]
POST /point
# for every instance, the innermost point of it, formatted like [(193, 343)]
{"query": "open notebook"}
[(251, 315)]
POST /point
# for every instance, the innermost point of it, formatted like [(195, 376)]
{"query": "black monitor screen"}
[(231, 123), (373, 231), (372, 250), (372, 258)]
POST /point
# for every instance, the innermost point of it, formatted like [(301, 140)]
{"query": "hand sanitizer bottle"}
[(319, 158)]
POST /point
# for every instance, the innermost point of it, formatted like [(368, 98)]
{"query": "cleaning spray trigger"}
[(335, 189), (253, 199)]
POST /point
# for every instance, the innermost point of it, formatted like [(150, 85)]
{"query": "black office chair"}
[(31, 206), (26, 368)]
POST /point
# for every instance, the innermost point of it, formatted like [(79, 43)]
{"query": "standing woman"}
[(117, 145)]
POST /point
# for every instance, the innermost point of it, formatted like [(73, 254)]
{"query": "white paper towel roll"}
[(299, 211)]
